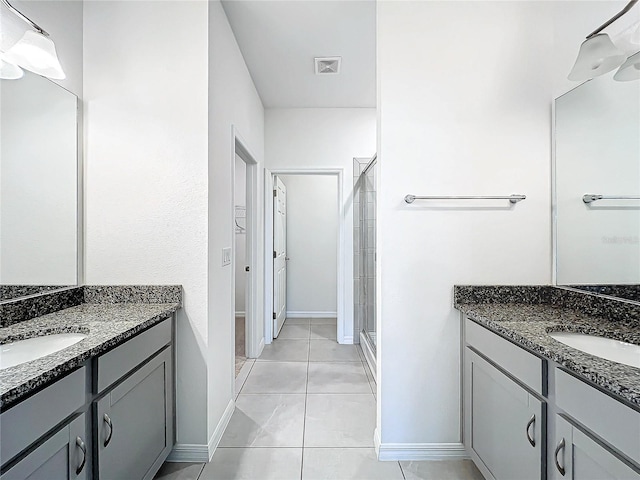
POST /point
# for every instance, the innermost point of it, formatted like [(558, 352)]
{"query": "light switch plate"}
[(226, 256)]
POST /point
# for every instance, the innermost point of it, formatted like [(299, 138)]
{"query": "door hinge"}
[(274, 315), (275, 193), (274, 254)]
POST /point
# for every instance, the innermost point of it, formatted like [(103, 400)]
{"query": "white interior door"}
[(279, 255)]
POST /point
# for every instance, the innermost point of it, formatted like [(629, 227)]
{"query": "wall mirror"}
[(597, 187), (38, 186)]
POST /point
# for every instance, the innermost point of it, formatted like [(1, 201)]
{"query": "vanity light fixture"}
[(35, 51), (9, 71), (629, 70), (598, 55)]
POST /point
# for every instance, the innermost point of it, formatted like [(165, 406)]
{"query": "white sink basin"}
[(614, 350), (22, 351)]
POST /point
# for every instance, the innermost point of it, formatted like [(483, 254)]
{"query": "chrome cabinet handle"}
[(108, 422), (82, 447), (531, 421), (555, 457)]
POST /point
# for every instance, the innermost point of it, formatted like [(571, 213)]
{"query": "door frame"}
[(253, 342), (268, 248)]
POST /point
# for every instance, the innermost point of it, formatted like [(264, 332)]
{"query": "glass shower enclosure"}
[(364, 249)]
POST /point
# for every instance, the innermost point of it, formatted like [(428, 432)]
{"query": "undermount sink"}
[(614, 350), (21, 351)]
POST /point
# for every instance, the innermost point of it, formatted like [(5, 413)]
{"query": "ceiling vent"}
[(328, 65)]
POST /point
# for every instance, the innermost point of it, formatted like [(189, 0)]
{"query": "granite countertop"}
[(105, 324), (528, 325)]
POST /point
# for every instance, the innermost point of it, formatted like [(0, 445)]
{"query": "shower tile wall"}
[(364, 248)]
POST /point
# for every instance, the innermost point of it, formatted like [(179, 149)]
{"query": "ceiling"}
[(279, 40)]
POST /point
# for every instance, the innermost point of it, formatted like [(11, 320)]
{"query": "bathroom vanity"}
[(103, 407), (536, 408)]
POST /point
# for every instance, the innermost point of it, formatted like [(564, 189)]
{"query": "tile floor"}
[(306, 410)]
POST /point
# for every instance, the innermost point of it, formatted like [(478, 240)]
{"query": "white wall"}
[(233, 101), (307, 138), (146, 169), (464, 109), (240, 195), (312, 245)]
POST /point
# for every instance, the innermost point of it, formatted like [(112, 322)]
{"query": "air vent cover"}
[(328, 65)]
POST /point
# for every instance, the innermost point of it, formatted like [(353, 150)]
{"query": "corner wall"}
[(233, 102), (464, 95), (146, 153)]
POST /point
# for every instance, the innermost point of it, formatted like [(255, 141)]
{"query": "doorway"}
[(247, 334), (304, 208)]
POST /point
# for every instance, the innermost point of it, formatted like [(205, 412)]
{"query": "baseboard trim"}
[(260, 347), (369, 356), (347, 340), (200, 453), (214, 441), (189, 452), (419, 451), (298, 314)]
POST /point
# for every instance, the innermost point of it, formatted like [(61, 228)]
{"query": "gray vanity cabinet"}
[(504, 423), (135, 424), (578, 457), (133, 410), (110, 419), (64, 456)]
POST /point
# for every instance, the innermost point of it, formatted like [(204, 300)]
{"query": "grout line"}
[(306, 396), (402, 471), (201, 470)]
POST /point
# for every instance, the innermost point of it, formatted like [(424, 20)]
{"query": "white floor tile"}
[(266, 421), (277, 377), (296, 321), (330, 351), (323, 332), (324, 321), (286, 351), (179, 471), (348, 377), (294, 331), (254, 464), (340, 420), (347, 464), (441, 470)]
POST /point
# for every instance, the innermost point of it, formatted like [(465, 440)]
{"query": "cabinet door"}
[(63, 456), (506, 423), (577, 456), (135, 423)]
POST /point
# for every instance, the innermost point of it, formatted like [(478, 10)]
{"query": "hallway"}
[(306, 410)]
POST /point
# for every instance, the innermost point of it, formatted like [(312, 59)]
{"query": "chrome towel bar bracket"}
[(593, 197), (512, 198)]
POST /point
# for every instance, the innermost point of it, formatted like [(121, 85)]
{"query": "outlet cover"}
[(226, 256)]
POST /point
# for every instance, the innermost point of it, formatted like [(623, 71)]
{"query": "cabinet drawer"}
[(121, 360), (611, 420), (25, 423), (523, 365)]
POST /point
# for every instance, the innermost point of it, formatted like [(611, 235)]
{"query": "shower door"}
[(365, 254)]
